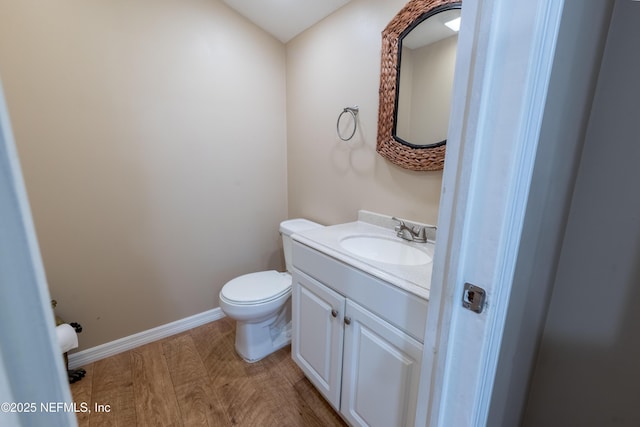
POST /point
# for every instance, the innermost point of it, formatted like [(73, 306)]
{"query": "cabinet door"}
[(318, 332), (380, 371)]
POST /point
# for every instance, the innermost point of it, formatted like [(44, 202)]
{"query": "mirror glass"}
[(424, 114), (426, 61)]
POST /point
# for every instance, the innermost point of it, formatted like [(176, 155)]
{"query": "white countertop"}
[(415, 279)]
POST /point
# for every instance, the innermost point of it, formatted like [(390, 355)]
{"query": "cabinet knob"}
[(334, 312), (347, 320)]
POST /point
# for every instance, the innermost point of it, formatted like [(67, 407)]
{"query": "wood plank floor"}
[(196, 379)]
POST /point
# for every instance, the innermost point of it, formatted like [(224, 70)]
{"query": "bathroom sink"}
[(384, 249)]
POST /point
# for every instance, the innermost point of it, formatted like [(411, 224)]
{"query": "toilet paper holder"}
[(73, 374)]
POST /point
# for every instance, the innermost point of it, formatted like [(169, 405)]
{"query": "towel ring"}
[(354, 113)]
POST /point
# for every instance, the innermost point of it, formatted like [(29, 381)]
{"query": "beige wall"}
[(333, 65), (154, 153), (586, 373)]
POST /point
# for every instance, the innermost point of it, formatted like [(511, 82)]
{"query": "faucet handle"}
[(430, 227), (421, 233), (400, 225)]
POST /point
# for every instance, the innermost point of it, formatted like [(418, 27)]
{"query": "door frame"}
[(497, 112)]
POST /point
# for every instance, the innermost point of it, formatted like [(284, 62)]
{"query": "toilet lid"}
[(262, 286)]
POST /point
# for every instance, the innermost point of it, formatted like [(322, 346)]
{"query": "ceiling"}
[(285, 19)]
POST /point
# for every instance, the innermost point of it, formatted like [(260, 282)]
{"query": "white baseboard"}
[(102, 351)]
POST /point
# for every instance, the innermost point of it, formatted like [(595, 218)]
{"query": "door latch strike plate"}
[(473, 298)]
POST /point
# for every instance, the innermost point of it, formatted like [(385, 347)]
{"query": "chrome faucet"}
[(413, 234)]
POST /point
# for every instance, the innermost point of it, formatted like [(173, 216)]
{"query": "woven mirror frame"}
[(428, 158)]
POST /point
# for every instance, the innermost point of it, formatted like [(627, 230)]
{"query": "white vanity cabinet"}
[(318, 333), (355, 338), (380, 371)]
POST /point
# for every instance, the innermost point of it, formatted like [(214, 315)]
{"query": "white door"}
[(31, 368), (506, 55), (380, 371), (317, 340)]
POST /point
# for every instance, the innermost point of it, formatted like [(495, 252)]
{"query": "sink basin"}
[(384, 249)]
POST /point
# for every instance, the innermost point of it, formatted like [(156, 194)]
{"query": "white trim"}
[(546, 32), (494, 135), (112, 348)]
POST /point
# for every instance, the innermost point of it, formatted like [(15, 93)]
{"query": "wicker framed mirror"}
[(405, 147)]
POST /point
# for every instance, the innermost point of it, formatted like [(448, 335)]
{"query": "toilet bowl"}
[(260, 303)]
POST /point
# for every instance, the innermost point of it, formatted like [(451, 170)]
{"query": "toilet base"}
[(255, 341)]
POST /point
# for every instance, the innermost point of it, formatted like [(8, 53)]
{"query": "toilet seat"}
[(256, 288)]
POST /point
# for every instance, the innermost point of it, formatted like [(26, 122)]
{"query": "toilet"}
[(261, 302)]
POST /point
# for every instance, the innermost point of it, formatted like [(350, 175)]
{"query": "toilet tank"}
[(287, 228)]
